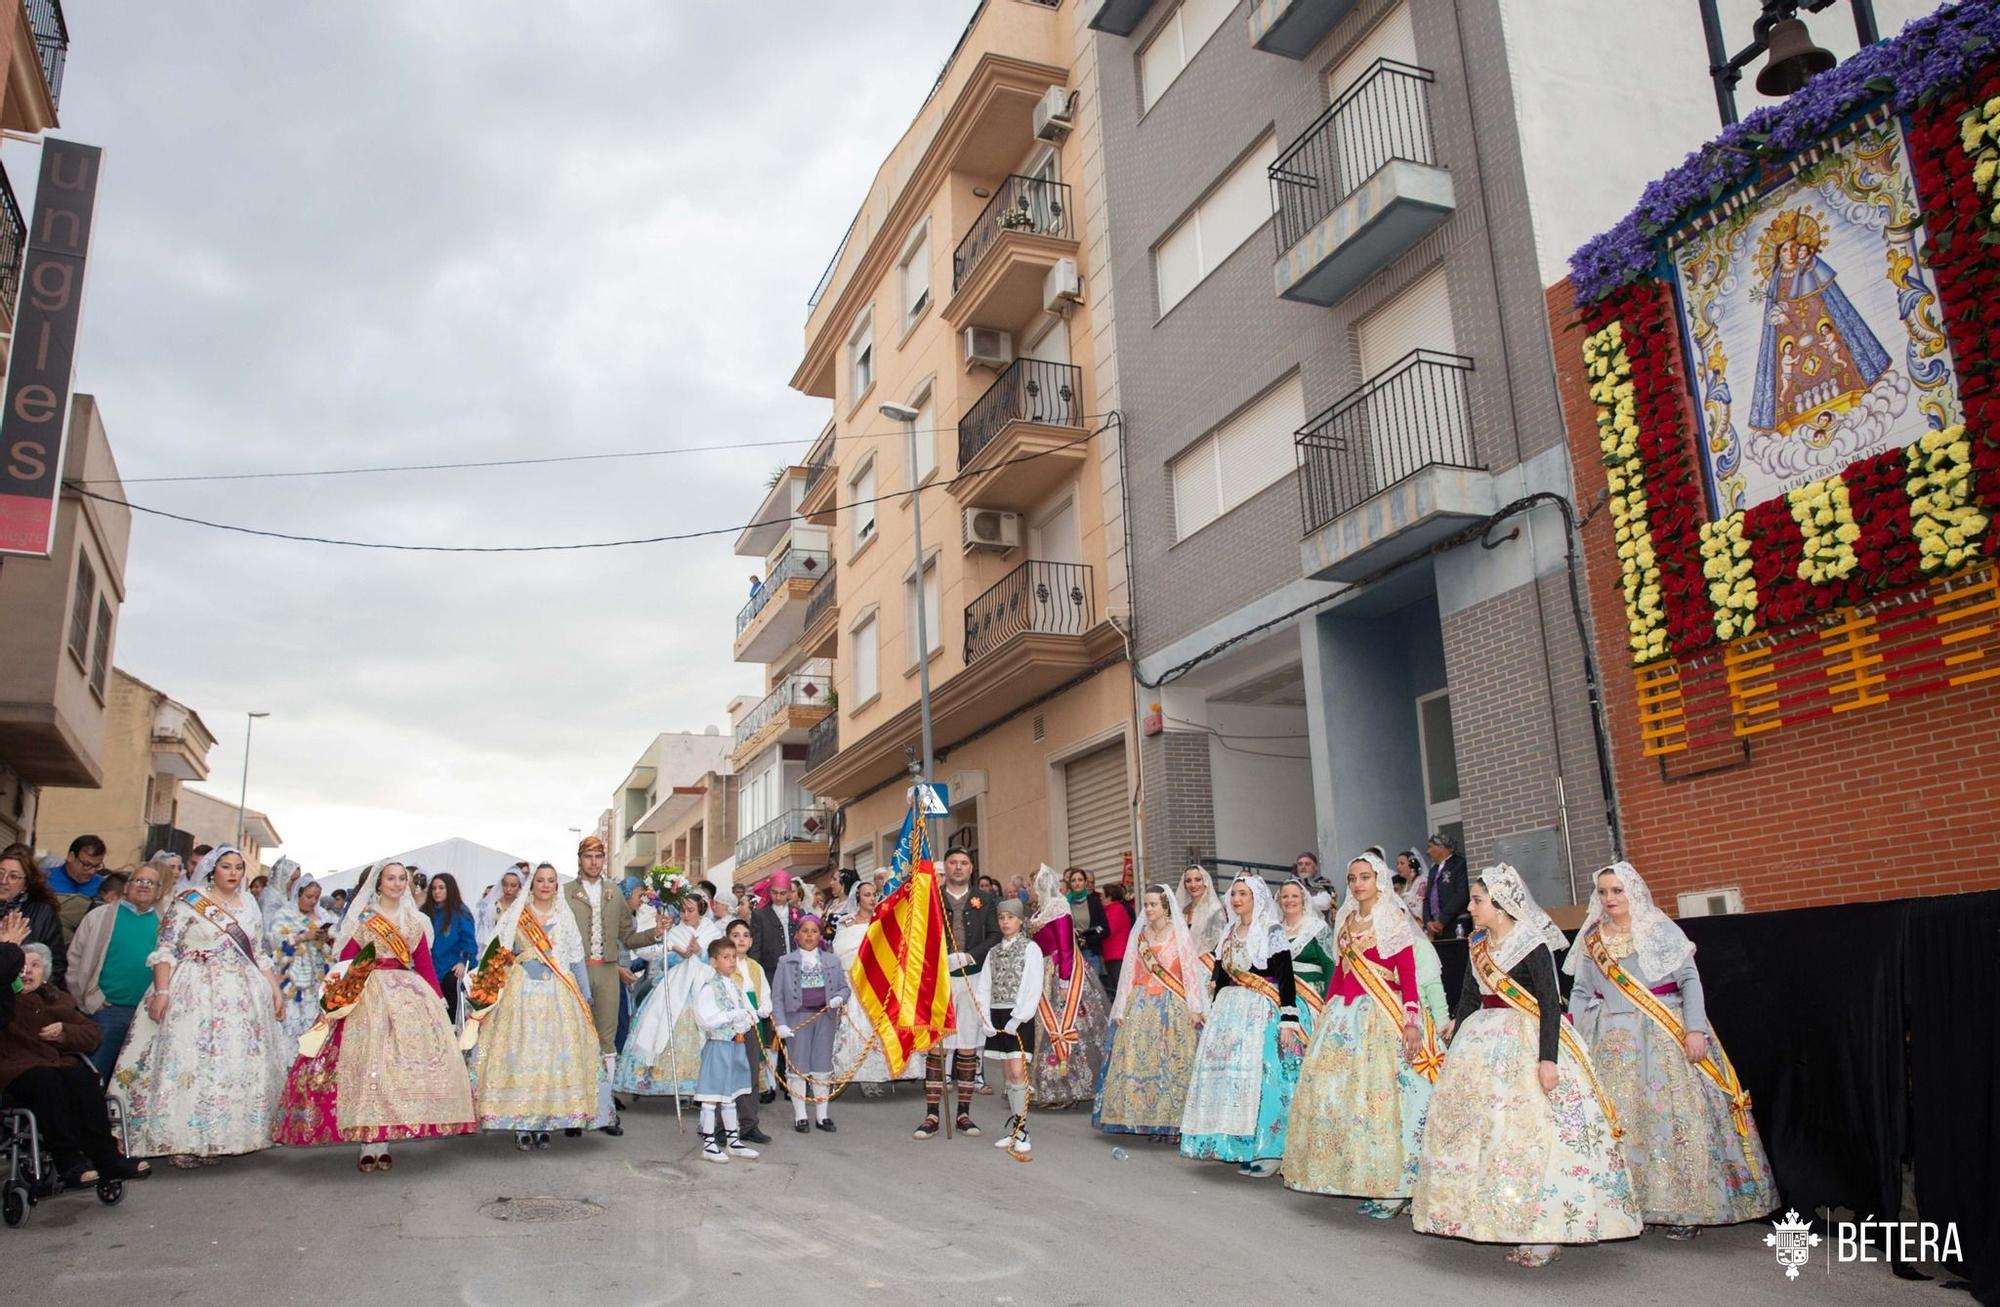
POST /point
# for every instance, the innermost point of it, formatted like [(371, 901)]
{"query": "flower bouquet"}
[(483, 987), (668, 888), (345, 982)]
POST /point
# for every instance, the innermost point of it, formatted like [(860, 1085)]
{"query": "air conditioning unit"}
[(988, 347), (1052, 120), (992, 530), (1711, 903), (1061, 287)]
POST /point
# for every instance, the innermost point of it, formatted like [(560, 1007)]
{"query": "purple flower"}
[(1936, 53)]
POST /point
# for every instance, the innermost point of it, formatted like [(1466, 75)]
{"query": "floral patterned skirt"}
[(1502, 1161), (1240, 1095), (1689, 1166), (1144, 1088), (391, 1070), (662, 1054), (1358, 1116), (536, 1066), (1066, 1080), (204, 1082)]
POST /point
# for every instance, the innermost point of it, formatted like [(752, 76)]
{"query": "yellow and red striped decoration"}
[(902, 976)]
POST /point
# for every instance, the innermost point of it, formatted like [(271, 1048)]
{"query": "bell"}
[(1793, 60)]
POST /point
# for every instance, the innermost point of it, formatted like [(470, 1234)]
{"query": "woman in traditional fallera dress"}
[(203, 1064), (662, 1054), (1201, 910), (535, 1065), (1075, 1011), (1246, 1066), (1155, 1025), (388, 1067), (299, 948), (1358, 1115), (1521, 1145), (1692, 1145), (1311, 943)]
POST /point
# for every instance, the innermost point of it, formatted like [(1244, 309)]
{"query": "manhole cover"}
[(542, 1210)]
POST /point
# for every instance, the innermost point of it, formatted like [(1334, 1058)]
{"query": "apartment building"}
[(973, 289), (672, 758), (151, 745), (694, 825), (211, 819)]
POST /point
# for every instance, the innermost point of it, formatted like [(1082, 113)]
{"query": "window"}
[(100, 653), (866, 657), (915, 274), (1230, 464), (932, 603), (79, 613), (861, 358), (927, 435), (861, 501), (1174, 46), (1230, 214)]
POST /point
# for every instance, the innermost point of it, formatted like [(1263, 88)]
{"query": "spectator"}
[(1412, 875), (454, 942), (337, 901), (24, 891), (112, 887), (80, 871), (42, 1069), (991, 885), (171, 871), (1117, 920), (108, 972), (1086, 913), (1447, 896)]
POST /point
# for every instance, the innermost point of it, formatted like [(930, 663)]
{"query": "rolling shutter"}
[(1100, 816), (862, 859)]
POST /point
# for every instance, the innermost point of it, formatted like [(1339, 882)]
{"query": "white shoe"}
[(1006, 1139), (711, 1153), (1020, 1145), (737, 1148)]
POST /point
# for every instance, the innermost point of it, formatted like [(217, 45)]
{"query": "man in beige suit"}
[(605, 922)]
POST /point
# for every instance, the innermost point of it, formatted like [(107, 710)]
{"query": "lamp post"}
[(906, 415), (243, 796)]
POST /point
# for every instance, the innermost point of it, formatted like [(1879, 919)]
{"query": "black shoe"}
[(768, 1096), (754, 1136), (620, 1103), (615, 1130), (801, 1127), (573, 1132), (827, 1125)]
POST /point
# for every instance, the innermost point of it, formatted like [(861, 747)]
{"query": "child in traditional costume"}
[(1155, 1024), (1008, 991), (662, 1053), (724, 1017), (810, 993), (1692, 1145), (1074, 1011), (760, 1044), (1521, 1144)]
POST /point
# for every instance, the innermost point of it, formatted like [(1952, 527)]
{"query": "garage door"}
[(1100, 813)]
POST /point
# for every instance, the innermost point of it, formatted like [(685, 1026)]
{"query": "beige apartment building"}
[(693, 825), (211, 820), (672, 759), (972, 287), (152, 745)]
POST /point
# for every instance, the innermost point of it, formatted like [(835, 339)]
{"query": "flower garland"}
[(1946, 523), (1825, 514), (1725, 561), (1610, 371)]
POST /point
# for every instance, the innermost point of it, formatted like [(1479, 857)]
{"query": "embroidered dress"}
[(1152, 1048), (662, 1054), (1503, 1162), (391, 1069), (1062, 1077), (300, 952), (205, 1081), (1691, 1165), (536, 1066), (1239, 1098)]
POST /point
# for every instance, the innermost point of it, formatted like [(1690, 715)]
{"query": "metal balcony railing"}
[(1026, 204), (1030, 390), (1043, 598), (823, 740), (798, 690), (1385, 115), (1413, 416), (791, 564), (51, 42), (817, 462), (800, 825), (13, 247), (824, 596)]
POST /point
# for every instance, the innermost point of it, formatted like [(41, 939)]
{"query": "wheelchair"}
[(28, 1173)]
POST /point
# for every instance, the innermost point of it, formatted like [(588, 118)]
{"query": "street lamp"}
[(243, 796), (906, 415)]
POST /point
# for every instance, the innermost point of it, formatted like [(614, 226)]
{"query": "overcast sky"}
[(336, 235)]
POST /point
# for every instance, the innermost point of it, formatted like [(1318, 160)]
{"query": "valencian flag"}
[(901, 976)]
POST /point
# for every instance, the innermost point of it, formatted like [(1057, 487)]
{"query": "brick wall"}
[(1886, 803), (1179, 801)]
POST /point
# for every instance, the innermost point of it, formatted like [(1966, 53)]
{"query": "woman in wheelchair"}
[(42, 1070)]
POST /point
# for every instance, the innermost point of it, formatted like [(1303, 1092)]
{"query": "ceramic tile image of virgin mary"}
[(1816, 357)]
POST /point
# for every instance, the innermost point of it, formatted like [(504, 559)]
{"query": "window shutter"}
[(1419, 318), (1099, 814), (1255, 448), (1197, 498)]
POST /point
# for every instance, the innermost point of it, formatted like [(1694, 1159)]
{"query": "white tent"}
[(473, 866)]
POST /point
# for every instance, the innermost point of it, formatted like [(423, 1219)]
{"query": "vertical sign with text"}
[(41, 359)]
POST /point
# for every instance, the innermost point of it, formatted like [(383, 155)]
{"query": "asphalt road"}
[(863, 1215)]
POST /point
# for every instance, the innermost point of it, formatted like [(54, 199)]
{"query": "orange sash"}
[(1063, 1034), (389, 937), (1509, 991), (1166, 977), (538, 939), (1716, 1066), (1429, 1059)]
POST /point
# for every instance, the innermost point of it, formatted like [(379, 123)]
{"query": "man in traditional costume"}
[(972, 923), (604, 921)]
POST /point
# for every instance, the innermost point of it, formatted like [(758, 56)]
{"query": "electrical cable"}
[(78, 488)]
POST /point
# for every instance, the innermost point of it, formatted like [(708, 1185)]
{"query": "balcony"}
[(823, 740), (1036, 598), (818, 493), (820, 637), (640, 850), (1026, 637), (51, 43), (999, 266), (797, 838), (1390, 469), (180, 742), (1022, 438), (13, 245), (1359, 187), (783, 716), (771, 622), (1119, 17), (1294, 28)]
